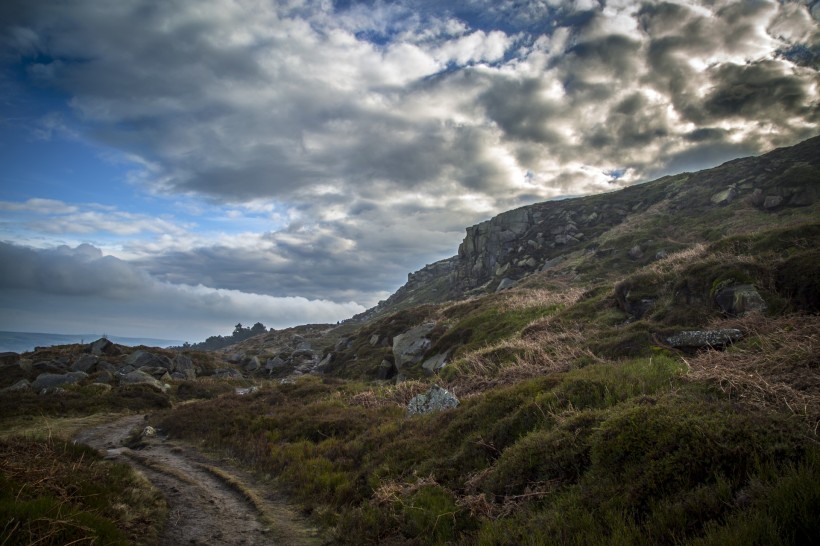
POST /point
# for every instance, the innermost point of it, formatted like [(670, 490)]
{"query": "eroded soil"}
[(204, 506)]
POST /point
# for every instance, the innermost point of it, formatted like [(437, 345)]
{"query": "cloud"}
[(354, 141), (80, 286)]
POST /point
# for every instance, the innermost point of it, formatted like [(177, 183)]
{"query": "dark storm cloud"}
[(760, 90)]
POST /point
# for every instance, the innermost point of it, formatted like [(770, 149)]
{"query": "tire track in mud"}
[(204, 503)]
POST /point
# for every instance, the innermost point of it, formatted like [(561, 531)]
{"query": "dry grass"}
[(388, 395), (541, 297), (776, 366)]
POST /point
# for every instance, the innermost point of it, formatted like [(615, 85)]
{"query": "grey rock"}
[(724, 197), (104, 377), (244, 391), (252, 364), (48, 366), (227, 373), (235, 358), (435, 363), (505, 283), (185, 366), (22, 385), (409, 347), (661, 254), (102, 347), (636, 253), (434, 400), (273, 363), (139, 359), (49, 381), (139, 377), (740, 300), (694, 339), (86, 363), (553, 262), (374, 339), (104, 366), (325, 363), (772, 202), (154, 371), (386, 370)]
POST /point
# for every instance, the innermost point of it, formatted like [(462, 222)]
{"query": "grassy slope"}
[(577, 424)]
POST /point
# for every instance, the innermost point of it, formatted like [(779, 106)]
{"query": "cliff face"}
[(622, 229)]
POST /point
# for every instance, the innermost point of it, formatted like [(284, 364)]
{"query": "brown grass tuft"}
[(777, 365)]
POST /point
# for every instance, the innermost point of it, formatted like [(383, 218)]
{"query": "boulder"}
[(435, 363), (184, 366), (235, 358), (103, 366), (244, 391), (636, 253), (409, 347), (772, 202), (138, 359), (86, 363), (374, 339), (740, 300), (325, 363), (139, 377), (274, 363), (227, 373), (22, 385), (48, 366), (104, 377), (102, 347), (505, 283), (724, 197), (252, 364), (696, 339), (434, 400), (49, 381), (386, 370)]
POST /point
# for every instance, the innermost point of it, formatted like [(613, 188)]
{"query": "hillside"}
[(639, 367)]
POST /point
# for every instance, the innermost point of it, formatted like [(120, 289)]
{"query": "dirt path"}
[(209, 502)]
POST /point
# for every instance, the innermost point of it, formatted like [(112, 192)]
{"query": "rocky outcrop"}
[(139, 377), (102, 347), (698, 339), (434, 400)]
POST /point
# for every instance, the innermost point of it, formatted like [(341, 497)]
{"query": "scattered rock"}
[(139, 377), (227, 373), (694, 339), (434, 400), (435, 363), (273, 363), (740, 300), (102, 347), (104, 377), (505, 283), (549, 264), (235, 358), (374, 339), (386, 370), (240, 391), (724, 197), (49, 381), (86, 363), (772, 202), (149, 432), (138, 359), (252, 364), (22, 385), (409, 347), (661, 254), (636, 253), (324, 364), (184, 366)]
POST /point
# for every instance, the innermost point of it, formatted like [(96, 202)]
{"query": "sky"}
[(168, 169)]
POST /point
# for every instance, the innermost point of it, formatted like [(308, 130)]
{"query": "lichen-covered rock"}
[(409, 347), (740, 300), (139, 377), (696, 339), (435, 363), (434, 400)]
